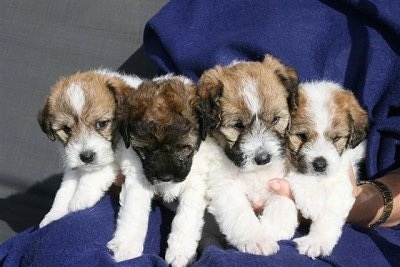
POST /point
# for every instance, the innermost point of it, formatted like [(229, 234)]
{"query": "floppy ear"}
[(122, 94), (358, 120), (44, 122), (288, 77), (124, 131), (208, 108)]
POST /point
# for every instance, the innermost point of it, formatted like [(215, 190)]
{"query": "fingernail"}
[(274, 185)]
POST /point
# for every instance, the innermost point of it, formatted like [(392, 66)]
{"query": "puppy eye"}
[(275, 120), (67, 130), (302, 136), (101, 124), (336, 138), (239, 126), (185, 148)]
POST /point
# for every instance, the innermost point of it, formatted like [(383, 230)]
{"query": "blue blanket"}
[(353, 42)]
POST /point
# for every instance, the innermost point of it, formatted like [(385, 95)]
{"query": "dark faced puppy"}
[(248, 109), (163, 128)]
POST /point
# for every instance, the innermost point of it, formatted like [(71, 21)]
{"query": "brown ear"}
[(288, 77), (44, 122), (122, 93), (208, 108), (358, 119)]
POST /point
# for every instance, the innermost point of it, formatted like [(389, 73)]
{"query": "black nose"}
[(262, 158), (166, 177), (87, 156), (319, 164)]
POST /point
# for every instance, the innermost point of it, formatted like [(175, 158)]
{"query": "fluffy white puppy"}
[(249, 106), (325, 143), (84, 111)]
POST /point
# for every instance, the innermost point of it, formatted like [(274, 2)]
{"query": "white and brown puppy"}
[(163, 128), (84, 111), (249, 106), (325, 141)]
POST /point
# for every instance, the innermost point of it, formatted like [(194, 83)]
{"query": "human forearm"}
[(368, 206)]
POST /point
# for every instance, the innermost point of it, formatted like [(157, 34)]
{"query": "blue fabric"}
[(353, 42), (80, 238)]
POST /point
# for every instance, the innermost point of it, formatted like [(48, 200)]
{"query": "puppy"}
[(248, 107), (84, 111), (163, 128), (325, 142)]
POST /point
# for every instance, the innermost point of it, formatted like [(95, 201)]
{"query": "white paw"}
[(177, 260), (280, 209), (285, 232), (313, 246), (50, 217), (46, 220), (311, 206), (262, 246), (180, 252), (124, 250)]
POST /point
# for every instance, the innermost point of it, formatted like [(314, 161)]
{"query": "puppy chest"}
[(255, 187)]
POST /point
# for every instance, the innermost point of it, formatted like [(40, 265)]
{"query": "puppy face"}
[(83, 112), (163, 128), (248, 106), (328, 121)]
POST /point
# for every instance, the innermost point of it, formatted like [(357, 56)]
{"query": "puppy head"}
[(328, 121), (163, 127), (247, 108), (83, 112)]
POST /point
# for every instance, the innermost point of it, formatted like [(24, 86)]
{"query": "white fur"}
[(135, 200), (76, 97), (233, 190), (84, 184), (132, 80), (319, 106), (250, 96), (325, 199), (81, 188)]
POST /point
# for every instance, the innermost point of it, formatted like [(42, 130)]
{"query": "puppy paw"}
[(46, 220), (177, 260), (286, 232), (50, 217), (262, 246), (180, 252), (313, 246), (124, 250), (311, 206), (279, 209)]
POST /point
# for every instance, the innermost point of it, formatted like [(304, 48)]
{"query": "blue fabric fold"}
[(354, 42)]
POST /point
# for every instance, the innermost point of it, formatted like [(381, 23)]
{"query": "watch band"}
[(387, 200)]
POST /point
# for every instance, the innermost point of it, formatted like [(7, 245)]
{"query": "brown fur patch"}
[(165, 110), (163, 128), (222, 88), (349, 110)]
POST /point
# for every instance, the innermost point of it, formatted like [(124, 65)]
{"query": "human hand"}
[(280, 187)]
